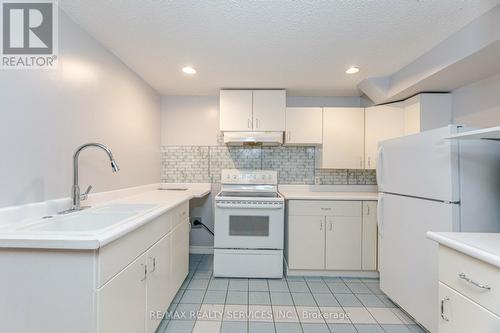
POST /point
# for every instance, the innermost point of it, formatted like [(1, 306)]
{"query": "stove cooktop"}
[(249, 194)]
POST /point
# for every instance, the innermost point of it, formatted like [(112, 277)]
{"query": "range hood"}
[(253, 138)]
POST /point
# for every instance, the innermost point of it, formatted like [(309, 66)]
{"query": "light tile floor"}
[(290, 305)]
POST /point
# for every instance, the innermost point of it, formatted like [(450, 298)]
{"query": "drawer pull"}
[(474, 283), (325, 208), (446, 299)]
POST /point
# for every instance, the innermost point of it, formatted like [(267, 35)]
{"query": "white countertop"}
[(482, 246), (329, 192), (162, 200)]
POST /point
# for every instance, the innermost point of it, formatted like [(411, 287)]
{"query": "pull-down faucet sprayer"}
[(76, 197)]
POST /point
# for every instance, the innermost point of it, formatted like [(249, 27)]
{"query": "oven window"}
[(249, 226)]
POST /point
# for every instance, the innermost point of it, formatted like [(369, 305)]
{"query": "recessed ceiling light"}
[(189, 70), (352, 70)]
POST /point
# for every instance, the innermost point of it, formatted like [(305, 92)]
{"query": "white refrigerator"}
[(428, 183)]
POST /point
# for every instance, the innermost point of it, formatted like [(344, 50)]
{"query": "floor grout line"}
[(200, 266)]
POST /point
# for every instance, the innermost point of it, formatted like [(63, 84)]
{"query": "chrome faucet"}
[(76, 197)]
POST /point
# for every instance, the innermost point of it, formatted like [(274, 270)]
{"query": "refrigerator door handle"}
[(378, 172), (380, 215)]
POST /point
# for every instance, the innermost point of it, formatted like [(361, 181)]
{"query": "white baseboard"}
[(201, 250)]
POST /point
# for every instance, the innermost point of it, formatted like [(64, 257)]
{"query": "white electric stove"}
[(249, 225)]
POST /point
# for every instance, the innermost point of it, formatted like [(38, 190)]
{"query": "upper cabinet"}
[(269, 110), (419, 113), (252, 110), (236, 110), (304, 126), (382, 122), (343, 139), (427, 111)]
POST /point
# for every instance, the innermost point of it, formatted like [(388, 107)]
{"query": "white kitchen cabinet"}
[(459, 314), (427, 111), (111, 289), (180, 253), (330, 235), (381, 123), (252, 110), (269, 110), (343, 139), (236, 110), (419, 113), (369, 241), (343, 243), (304, 126), (161, 289), (121, 303), (306, 241)]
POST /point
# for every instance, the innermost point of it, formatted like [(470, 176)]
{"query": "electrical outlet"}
[(193, 219), (317, 180)]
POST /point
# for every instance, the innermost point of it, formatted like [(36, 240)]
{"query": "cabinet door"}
[(121, 303), (160, 290), (343, 242), (458, 314), (306, 242), (369, 238), (236, 110), (343, 138), (304, 126), (381, 123), (180, 253), (269, 110)]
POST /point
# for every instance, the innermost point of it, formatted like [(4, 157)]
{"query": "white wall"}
[(478, 104), (189, 120), (46, 114), (194, 120)]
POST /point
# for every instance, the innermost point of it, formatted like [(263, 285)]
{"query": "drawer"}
[(458, 314), (456, 267), (116, 255), (324, 208)]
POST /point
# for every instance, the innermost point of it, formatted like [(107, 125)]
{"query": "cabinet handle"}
[(367, 209), (446, 299), (257, 123), (361, 162), (145, 272), (249, 123), (369, 162), (331, 226), (474, 283), (289, 135), (321, 226), (153, 261), (326, 208)]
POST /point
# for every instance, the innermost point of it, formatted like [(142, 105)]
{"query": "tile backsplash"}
[(295, 165)]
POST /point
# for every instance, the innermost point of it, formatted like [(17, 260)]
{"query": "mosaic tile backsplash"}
[(295, 165)]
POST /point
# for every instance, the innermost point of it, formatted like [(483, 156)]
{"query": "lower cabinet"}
[(121, 303), (180, 253), (135, 298), (160, 287), (343, 242), (331, 235), (469, 297), (306, 240), (369, 240), (458, 314)]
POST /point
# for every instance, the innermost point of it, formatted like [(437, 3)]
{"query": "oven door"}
[(249, 228)]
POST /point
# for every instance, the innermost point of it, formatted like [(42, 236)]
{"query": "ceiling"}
[(303, 46)]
